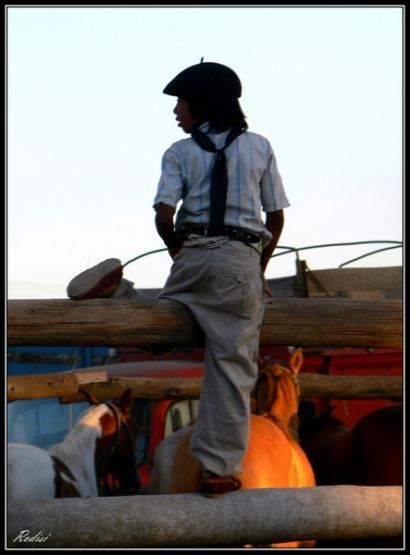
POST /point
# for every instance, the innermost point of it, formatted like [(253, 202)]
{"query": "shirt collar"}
[(205, 127)]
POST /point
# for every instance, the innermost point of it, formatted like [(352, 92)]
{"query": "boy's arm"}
[(164, 222), (274, 223)]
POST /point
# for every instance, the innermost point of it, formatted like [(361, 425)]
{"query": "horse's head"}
[(317, 428), (277, 392), (115, 457)]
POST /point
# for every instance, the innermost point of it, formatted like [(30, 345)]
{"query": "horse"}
[(368, 454), (273, 458), (97, 453)]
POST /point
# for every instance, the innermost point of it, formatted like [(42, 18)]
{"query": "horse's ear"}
[(90, 398), (296, 361), (126, 400)]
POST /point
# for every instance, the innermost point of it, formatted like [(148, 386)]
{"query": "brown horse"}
[(273, 458), (369, 454)]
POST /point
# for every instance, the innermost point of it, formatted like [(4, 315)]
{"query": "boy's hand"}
[(173, 251)]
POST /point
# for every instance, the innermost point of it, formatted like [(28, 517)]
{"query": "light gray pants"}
[(222, 287)]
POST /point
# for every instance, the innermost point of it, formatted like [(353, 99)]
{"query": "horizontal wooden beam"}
[(97, 382), (133, 323), (351, 387), (258, 516)]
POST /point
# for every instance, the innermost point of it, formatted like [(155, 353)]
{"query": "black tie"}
[(219, 177)]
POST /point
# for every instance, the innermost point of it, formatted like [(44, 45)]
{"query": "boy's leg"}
[(223, 289), (220, 437)]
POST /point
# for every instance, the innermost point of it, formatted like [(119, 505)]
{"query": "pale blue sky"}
[(88, 124)]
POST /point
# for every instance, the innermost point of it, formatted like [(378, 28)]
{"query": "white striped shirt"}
[(254, 182)]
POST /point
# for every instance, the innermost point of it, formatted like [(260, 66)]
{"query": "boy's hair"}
[(221, 114)]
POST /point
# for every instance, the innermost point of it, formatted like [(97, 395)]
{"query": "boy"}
[(224, 176)]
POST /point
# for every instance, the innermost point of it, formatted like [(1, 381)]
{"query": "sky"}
[(88, 124)]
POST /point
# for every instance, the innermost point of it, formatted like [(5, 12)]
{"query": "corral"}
[(257, 516)]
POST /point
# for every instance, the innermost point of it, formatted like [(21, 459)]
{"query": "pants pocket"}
[(240, 291)]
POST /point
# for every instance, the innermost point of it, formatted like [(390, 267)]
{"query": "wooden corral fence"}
[(261, 516), (131, 322), (113, 322), (189, 520), (68, 386)]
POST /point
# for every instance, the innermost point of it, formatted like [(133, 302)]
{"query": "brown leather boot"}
[(212, 486)]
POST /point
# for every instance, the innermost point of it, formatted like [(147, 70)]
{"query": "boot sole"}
[(92, 282)]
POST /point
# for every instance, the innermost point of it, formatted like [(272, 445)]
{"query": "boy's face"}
[(184, 116)]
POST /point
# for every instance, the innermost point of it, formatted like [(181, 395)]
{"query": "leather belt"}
[(237, 233)]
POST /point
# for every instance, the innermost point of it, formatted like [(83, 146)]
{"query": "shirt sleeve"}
[(273, 194), (170, 185)]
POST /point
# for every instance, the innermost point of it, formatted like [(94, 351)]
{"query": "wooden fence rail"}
[(261, 516), (116, 322), (67, 385)]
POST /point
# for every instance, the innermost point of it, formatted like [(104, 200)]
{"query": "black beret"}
[(205, 80)]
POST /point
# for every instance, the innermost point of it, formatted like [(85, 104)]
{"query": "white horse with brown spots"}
[(100, 446)]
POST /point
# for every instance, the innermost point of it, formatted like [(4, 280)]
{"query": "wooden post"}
[(131, 322), (97, 382), (259, 516)]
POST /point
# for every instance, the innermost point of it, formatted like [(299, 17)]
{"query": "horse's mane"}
[(78, 448), (274, 375)]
